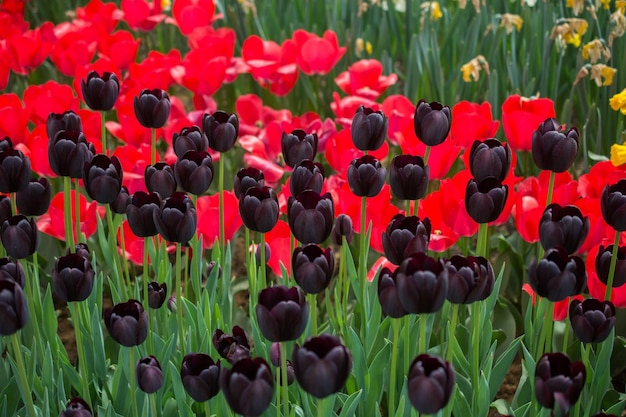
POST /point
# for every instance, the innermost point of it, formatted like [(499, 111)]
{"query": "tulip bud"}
[(312, 268), (232, 348), (200, 376), (102, 177), (248, 386), (311, 216), (404, 237), (469, 279), (68, 152), (307, 175), (6, 144), (76, 407), (64, 121), (408, 177), (557, 276), (194, 172), (72, 278), (558, 382), (13, 307), (15, 171), (149, 375), (140, 213), (81, 249), (121, 202), (267, 256), (554, 149), (342, 228), (282, 313), (432, 122), (127, 323), (156, 294), (603, 263), (369, 129), (366, 176), (12, 270), (160, 179), (613, 205), (100, 92), (388, 294), (176, 221), (152, 108), (298, 146), (6, 211), (490, 158), (430, 383), (247, 178), (485, 200), (35, 199), (221, 130), (563, 226), (422, 284), (592, 320), (259, 210), (20, 236)]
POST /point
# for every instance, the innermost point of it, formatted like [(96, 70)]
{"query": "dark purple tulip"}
[(258, 208), (282, 313), (210, 267), (558, 275), (81, 249), (63, 121), (369, 129), (200, 376), (308, 175), (422, 284), (35, 199), (490, 158), (592, 320), (6, 211), (68, 152), (248, 178), (149, 375), (276, 360), (194, 172), (388, 294), (563, 226), (13, 307), (100, 92), (613, 205), (430, 383), (121, 202), (152, 108), (342, 228), (156, 294), (72, 277), (322, 365), (553, 148), (312, 268), (15, 171), (190, 139), (298, 146), (404, 237), (248, 386), (469, 279), (221, 130), (127, 323), (140, 213), (408, 177), (485, 200), (177, 219), (160, 179), (20, 236), (233, 347), (12, 270), (76, 407), (558, 382), (432, 122), (366, 176), (6, 144), (311, 216), (603, 262), (268, 253), (102, 177)]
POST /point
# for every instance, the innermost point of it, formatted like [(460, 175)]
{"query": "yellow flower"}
[(600, 72), (618, 101), (576, 5), (569, 30), (618, 22), (620, 6), (166, 5), (618, 154), (362, 46), (434, 8), (594, 50), (472, 68), (508, 21), (606, 4)]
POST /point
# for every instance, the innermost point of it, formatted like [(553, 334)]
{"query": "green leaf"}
[(350, 404), (502, 406), (502, 366)]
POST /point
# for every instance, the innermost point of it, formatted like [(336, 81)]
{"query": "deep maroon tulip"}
[(558, 275), (177, 219), (307, 175), (15, 171), (13, 307), (312, 268), (63, 121), (485, 200), (121, 202), (233, 347), (430, 383), (6, 211), (194, 172), (127, 323), (102, 177), (6, 144), (322, 365), (408, 177), (221, 130), (553, 148), (282, 313), (68, 152), (200, 376), (298, 146), (76, 407), (563, 226), (490, 158), (190, 139), (160, 179), (20, 236), (366, 176), (369, 129), (248, 178), (140, 213), (81, 249), (72, 278), (422, 284), (469, 279), (12, 270), (404, 237), (156, 294), (212, 267), (276, 360), (248, 386), (258, 208), (100, 92), (388, 295), (311, 216), (592, 320), (432, 122), (558, 382), (149, 375), (342, 228), (613, 205), (152, 108), (268, 253), (35, 199), (603, 262)]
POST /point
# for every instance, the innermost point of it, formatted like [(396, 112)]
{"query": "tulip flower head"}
[(311, 216), (432, 122), (342, 228), (592, 320), (248, 386), (388, 294), (430, 383), (100, 91), (15, 171), (422, 284), (258, 208), (282, 313), (20, 236), (603, 263), (35, 199), (312, 268), (194, 172), (76, 407), (221, 130), (469, 279), (103, 177), (613, 205), (152, 108), (232, 347), (190, 139), (490, 158), (200, 376), (554, 149), (408, 177), (366, 176), (156, 294), (298, 146), (307, 175), (176, 221), (558, 382), (127, 323), (485, 200), (247, 178), (563, 226), (12, 270), (13, 307), (149, 374), (160, 179), (72, 277), (140, 213), (369, 129), (558, 275), (404, 237)]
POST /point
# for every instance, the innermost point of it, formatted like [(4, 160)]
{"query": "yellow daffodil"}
[(508, 21), (594, 50), (602, 74), (434, 8), (618, 23), (618, 154), (620, 6), (362, 46), (618, 101), (166, 5), (472, 68), (576, 5), (606, 4), (569, 31)]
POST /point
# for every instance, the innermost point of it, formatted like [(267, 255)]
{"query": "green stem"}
[(426, 154), (221, 208), (103, 133), (285, 386), (422, 342), (452, 336), (117, 269), (79, 236), (482, 245), (80, 347), (153, 147), (153, 405), (179, 300), (609, 283), (313, 306), (320, 407), (394, 365), (14, 203), (67, 212), (407, 341), (550, 188), (545, 338), (21, 376), (567, 329), (262, 262), (415, 207), (363, 257), (346, 282), (124, 259), (133, 382), (207, 409), (476, 321)]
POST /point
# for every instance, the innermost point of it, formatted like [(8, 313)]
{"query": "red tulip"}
[(5, 64), (103, 16), (346, 107), (192, 14), (592, 183), (365, 78), (520, 118), (52, 222), (442, 237), (154, 71), (13, 118), (271, 64), (119, 47), (208, 218), (73, 50), (317, 55), (561, 308), (279, 241), (452, 204), (400, 112), (51, 97), (341, 151), (200, 74), (141, 14), (472, 121), (29, 49)]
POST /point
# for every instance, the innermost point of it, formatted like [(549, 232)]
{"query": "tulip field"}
[(390, 208)]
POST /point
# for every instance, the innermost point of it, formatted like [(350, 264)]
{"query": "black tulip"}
[(152, 108), (102, 177), (63, 121), (68, 152), (366, 176), (469, 279), (388, 294), (149, 375), (268, 253), (247, 178), (422, 284), (121, 202), (6, 144), (72, 277), (603, 263), (20, 236), (298, 146), (127, 323), (200, 376), (307, 175), (258, 209), (211, 267), (221, 130), (177, 219), (194, 172), (404, 237), (558, 275), (190, 139), (312, 268), (430, 383), (156, 294), (100, 91), (558, 382), (35, 199), (490, 158), (408, 177), (248, 386), (6, 211), (76, 407), (485, 200), (563, 226), (592, 320), (282, 313), (140, 213), (369, 129), (553, 148), (432, 122), (342, 228), (233, 347), (12, 270), (15, 171), (81, 249), (311, 216), (13, 307), (613, 205), (160, 178)]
